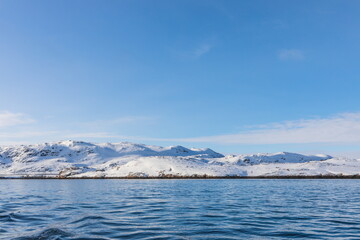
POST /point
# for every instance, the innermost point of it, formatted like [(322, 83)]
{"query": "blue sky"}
[(237, 76)]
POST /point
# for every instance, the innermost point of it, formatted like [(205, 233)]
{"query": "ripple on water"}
[(48, 234), (14, 217), (180, 209), (89, 219)]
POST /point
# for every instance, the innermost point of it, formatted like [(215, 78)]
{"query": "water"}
[(179, 209)]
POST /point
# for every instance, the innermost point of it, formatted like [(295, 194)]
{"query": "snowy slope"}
[(82, 159), (282, 157)]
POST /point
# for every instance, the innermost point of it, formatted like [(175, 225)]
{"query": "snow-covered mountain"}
[(83, 159)]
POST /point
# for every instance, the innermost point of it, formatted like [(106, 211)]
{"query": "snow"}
[(124, 159)]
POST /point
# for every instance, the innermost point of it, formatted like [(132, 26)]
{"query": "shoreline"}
[(188, 177)]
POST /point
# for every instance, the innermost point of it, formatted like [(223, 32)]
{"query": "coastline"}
[(189, 177)]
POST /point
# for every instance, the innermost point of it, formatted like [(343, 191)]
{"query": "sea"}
[(179, 209)]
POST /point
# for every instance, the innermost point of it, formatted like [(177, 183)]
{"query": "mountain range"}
[(77, 159)]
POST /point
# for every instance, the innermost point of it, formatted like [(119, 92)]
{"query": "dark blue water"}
[(179, 209)]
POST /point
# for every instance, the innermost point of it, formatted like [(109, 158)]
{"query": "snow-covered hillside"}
[(82, 159)]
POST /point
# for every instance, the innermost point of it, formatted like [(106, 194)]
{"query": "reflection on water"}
[(179, 209)]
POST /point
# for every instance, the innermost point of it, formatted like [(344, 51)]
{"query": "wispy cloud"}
[(340, 129), (91, 135), (103, 129), (28, 137), (28, 134), (8, 119), (201, 50), (124, 120), (291, 54), (194, 52)]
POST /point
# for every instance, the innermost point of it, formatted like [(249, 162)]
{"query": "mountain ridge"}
[(125, 159)]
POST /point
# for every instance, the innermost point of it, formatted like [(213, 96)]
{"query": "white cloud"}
[(291, 54), (340, 129), (8, 119)]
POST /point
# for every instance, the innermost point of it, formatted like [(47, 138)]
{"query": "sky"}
[(236, 76)]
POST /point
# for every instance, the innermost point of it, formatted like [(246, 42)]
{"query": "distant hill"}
[(124, 159)]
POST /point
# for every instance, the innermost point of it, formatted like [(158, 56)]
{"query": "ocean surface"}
[(180, 209)]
